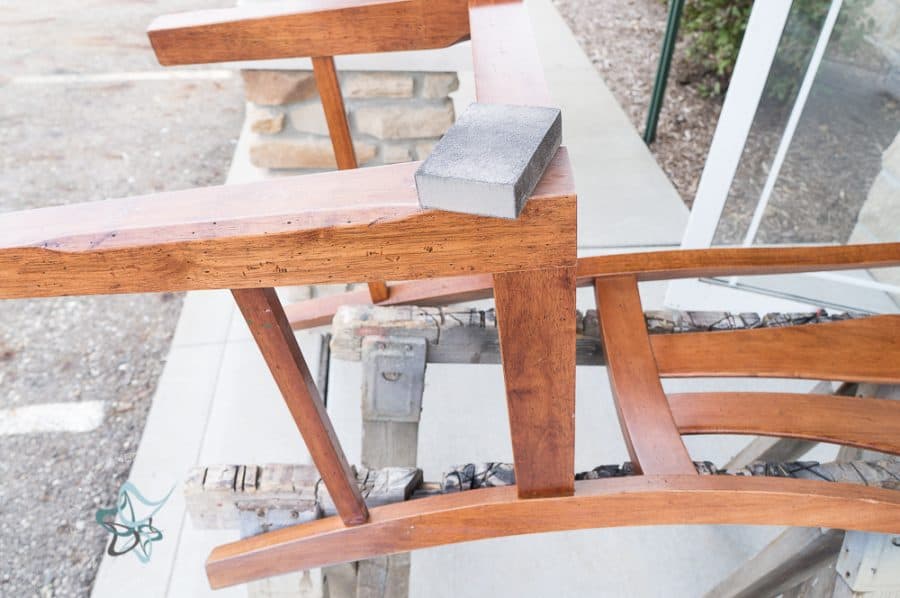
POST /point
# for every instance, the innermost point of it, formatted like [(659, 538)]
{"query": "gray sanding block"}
[(489, 162)]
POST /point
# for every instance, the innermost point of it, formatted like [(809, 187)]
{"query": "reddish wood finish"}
[(536, 321), (691, 263), (508, 68), (650, 433), (265, 317), (496, 512), (307, 28), (346, 226), (872, 424), (339, 129), (863, 350), (652, 265)]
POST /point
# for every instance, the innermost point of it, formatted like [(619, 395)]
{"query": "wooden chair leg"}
[(265, 317), (336, 116), (536, 320)]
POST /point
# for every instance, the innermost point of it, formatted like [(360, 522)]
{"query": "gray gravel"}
[(64, 143), (623, 39)]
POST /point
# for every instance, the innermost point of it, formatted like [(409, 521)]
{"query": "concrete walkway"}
[(216, 403)]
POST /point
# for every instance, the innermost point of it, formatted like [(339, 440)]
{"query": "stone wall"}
[(394, 117)]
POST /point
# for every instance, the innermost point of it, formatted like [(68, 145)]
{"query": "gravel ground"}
[(82, 141), (623, 39)]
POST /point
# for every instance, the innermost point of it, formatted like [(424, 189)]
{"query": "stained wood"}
[(269, 326), (345, 226), (308, 28), (650, 434), (861, 422), (339, 129), (495, 512), (692, 263), (645, 266), (863, 350), (508, 68), (437, 291), (536, 321)]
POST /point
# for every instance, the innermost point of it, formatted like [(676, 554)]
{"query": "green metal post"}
[(662, 70)]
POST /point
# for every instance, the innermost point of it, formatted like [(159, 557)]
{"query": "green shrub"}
[(715, 29)]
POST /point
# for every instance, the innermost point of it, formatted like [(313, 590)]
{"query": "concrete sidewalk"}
[(216, 402)]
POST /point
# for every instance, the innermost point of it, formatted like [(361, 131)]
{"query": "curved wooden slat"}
[(345, 226), (307, 28), (866, 423), (693, 263), (496, 512), (650, 434), (861, 350)]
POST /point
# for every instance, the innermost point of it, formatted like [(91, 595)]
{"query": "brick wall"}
[(394, 117)]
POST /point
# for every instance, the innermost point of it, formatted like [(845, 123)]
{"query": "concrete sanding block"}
[(489, 162)]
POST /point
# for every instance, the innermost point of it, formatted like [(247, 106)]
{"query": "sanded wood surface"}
[(536, 321), (269, 326), (307, 28), (650, 434), (495, 512), (866, 423), (345, 226), (508, 68), (862, 350)]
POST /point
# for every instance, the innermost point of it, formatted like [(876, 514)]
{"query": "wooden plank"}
[(647, 425), (339, 129), (345, 226), (497, 512), (645, 266), (745, 261), (508, 68), (536, 321), (307, 28), (269, 326), (866, 423), (768, 448), (861, 350)]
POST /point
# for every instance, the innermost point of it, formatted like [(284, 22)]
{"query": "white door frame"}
[(761, 39)]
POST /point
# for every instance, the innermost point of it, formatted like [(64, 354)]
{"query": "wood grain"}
[(307, 28), (693, 263), (345, 226), (339, 130), (269, 326), (647, 425), (508, 68), (653, 265), (496, 512), (536, 321), (866, 423), (863, 350)]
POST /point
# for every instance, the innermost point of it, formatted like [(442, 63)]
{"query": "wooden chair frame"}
[(357, 225)]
